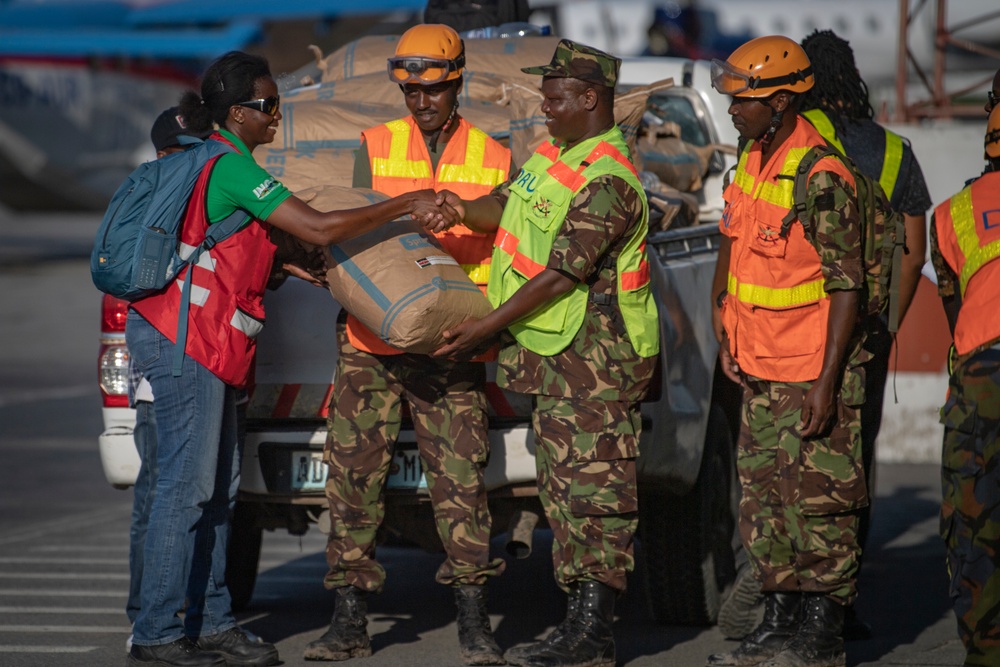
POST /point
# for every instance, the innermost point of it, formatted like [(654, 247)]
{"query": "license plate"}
[(309, 471)]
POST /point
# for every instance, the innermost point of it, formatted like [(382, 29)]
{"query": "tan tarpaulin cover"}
[(322, 124), (497, 97), (396, 279)]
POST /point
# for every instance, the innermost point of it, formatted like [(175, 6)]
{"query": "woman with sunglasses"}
[(198, 454)]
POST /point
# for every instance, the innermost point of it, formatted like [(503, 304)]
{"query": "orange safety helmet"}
[(762, 67), (427, 54), (992, 141)]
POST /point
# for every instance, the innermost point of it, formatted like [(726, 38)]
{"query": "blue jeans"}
[(144, 434), (192, 484)]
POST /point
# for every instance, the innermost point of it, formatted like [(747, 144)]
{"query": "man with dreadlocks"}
[(838, 107), (789, 300)]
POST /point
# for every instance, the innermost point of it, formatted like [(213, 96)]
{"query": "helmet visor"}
[(417, 69), (730, 80)]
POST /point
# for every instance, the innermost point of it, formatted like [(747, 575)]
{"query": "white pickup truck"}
[(687, 482)]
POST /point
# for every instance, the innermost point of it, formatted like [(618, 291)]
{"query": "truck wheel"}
[(243, 554), (686, 541)]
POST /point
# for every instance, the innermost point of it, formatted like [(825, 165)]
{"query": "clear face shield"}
[(421, 70)]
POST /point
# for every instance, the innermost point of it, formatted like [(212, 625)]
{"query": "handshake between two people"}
[(437, 211)]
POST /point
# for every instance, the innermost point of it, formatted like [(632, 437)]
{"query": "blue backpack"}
[(135, 253)]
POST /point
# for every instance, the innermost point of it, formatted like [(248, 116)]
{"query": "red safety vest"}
[(227, 309), (777, 310), (968, 235), (471, 166)]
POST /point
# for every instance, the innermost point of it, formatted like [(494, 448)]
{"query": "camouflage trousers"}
[(800, 497), (970, 507), (448, 407), (585, 458)]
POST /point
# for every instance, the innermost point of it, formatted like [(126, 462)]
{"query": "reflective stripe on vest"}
[(891, 162), (964, 220), (574, 180), (199, 294), (780, 193), (540, 198), (524, 265), (892, 155), (777, 297), (473, 170), (396, 164)]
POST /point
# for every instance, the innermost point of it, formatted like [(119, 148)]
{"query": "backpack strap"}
[(799, 209), (897, 270), (217, 233)]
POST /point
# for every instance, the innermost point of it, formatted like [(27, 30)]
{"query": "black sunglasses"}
[(993, 99), (268, 105)]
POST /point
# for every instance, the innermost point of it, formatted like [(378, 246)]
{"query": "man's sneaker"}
[(239, 649), (180, 653)]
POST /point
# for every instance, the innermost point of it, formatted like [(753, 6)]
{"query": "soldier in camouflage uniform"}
[(580, 332), (965, 252), (788, 291), (447, 398)]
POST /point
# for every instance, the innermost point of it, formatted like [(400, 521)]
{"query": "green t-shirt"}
[(238, 182)]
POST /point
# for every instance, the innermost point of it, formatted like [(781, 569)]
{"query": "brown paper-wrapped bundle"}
[(396, 279), (501, 57)]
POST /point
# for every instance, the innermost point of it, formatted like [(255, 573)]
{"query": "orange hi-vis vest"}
[(227, 309), (968, 235), (776, 311), (472, 165)]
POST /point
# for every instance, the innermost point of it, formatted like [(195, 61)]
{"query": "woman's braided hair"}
[(839, 88)]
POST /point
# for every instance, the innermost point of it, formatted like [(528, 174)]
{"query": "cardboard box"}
[(396, 279)]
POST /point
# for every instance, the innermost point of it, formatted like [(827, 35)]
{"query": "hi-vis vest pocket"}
[(790, 332), (766, 239), (544, 211)]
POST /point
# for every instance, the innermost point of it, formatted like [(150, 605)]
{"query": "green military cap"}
[(579, 61)]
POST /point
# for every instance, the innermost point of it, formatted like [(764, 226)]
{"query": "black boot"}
[(475, 636), (180, 653), (238, 648), (818, 643), (518, 654), (782, 616), (347, 636), (588, 640)]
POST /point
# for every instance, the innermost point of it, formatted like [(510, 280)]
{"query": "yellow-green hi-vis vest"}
[(539, 199), (892, 156)]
